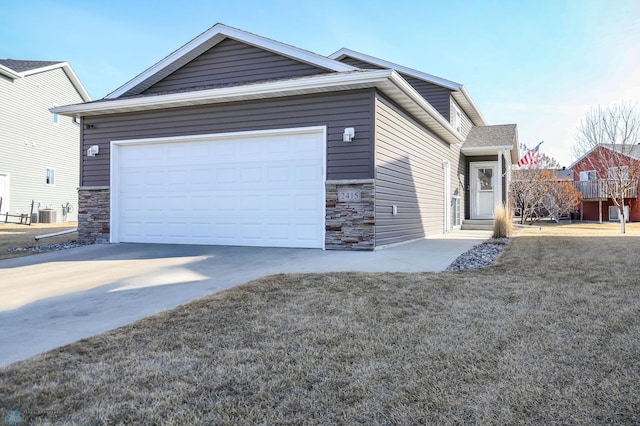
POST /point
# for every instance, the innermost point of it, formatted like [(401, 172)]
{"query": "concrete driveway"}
[(52, 299)]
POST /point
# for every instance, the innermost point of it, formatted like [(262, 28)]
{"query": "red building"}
[(594, 172)]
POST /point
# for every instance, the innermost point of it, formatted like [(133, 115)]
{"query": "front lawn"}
[(550, 334)]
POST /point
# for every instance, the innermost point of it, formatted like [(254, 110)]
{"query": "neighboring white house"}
[(39, 152)]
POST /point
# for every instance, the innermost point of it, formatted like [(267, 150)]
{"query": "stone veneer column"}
[(94, 214), (350, 219)]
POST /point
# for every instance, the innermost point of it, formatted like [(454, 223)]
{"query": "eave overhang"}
[(387, 81), (458, 91)]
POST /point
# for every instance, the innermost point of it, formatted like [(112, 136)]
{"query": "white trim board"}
[(388, 81), (458, 91), (115, 164)]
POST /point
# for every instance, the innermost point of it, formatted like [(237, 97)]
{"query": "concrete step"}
[(478, 225)]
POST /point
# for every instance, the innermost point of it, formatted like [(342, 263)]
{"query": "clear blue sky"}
[(541, 64)]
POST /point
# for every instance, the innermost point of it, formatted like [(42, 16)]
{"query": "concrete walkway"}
[(52, 299)]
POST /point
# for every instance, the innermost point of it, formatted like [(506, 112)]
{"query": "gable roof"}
[(206, 41), (15, 69), (492, 138), (631, 151), (458, 91)]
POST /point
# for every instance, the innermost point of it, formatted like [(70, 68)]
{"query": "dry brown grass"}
[(548, 335), (14, 235)]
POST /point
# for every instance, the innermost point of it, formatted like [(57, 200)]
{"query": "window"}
[(588, 175), (457, 220), (614, 213), (50, 178), (619, 173), (457, 120), (56, 118), (485, 178)]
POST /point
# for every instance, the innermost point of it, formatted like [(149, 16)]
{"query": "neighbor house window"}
[(619, 172), (457, 120), (588, 175), (50, 178)]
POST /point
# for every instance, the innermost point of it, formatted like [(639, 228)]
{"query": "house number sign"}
[(346, 195)]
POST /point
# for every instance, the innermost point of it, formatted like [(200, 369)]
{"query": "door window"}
[(485, 177)]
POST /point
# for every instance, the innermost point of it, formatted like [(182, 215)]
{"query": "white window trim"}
[(456, 207), (586, 173), (457, 119), (53, 175), (612, 173), (616, 216)]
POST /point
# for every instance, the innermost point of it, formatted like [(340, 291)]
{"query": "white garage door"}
[(264, 189)]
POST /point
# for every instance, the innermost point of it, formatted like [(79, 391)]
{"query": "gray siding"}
[(359, 64), (436, 95), (232, 62), (410, 175), (30, 142), (335, 110)]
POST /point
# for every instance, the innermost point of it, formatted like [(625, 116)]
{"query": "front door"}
[(483, 189)]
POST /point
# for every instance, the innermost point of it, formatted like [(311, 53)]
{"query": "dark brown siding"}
[(229, 62), (359, 64), (437, 96), (335, 110), (410, 175)]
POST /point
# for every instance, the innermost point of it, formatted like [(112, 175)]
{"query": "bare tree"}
[(536, 191), (610, 136)]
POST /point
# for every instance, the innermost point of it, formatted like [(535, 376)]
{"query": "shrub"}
[(502, 227)]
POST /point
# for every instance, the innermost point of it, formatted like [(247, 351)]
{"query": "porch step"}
[(478, 225)]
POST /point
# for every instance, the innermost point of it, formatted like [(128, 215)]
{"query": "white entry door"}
[(483, 189)]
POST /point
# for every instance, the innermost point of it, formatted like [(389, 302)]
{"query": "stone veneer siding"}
[(93, 214), (350, 225)]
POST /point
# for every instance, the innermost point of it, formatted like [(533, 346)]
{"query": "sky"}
[(540, 64)]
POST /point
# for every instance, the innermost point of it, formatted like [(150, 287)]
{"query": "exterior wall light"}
[(349, 134), (93, 150)]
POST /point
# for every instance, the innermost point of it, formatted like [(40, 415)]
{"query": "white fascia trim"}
[(496, 148), (402, 84), (68, 71), (452, 85), (253, 39), (9, 72), (278, 88), (222, 136), (474, 107), (385, 80)]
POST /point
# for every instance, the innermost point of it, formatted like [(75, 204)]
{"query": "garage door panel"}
[(263, 191)]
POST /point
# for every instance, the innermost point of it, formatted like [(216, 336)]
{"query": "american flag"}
[(530, 158)]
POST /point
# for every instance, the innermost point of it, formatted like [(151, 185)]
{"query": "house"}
[(39, 150), (236, 139), (592, 174)]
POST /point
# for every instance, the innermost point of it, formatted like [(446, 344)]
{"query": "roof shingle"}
[(491, 136), (22, 66)]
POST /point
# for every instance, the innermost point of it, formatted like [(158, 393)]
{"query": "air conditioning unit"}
[(614, 215)]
